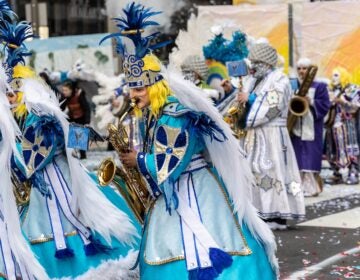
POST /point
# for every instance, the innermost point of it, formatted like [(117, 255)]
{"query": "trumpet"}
[(128, 181)]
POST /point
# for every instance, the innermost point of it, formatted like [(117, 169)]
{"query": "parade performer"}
[(71, 225), (277, 195), (307, 135), (219, 51), (184, 238), (341, 140), (16, 259)]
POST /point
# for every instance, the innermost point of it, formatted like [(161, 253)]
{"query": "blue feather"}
[(13, 35), (137, 18), (203, 124), (5, 12), (223, 50)]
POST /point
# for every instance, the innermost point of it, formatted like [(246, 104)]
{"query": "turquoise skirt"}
[(251, 267)]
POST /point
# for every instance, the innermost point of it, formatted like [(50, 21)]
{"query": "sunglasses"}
[(302, 68)]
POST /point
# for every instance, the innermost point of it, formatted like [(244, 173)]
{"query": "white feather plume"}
[(228, 159), (96, 211), (9, 131)]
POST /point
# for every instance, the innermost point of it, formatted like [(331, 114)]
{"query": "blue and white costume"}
[(16, 258)]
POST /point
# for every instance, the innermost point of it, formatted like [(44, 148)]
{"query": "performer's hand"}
[(129, 159), (227, 86), (242, 97)]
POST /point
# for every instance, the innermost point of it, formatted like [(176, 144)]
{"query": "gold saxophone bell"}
[(299, 106), (128, 181)]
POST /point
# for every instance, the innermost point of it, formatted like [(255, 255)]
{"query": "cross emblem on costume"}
[(170, 147), (34, 150)]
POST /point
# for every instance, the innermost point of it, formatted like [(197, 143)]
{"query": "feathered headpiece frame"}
[(13, 35), (132, 26), (6, 13), (223, 50)]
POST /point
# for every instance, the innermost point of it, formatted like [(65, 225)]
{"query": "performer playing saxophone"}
[(277, 194), (306, 136)]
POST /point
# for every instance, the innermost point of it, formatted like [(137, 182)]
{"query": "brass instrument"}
[(299, 105), (21, 190), (236, 116), (128, 181)]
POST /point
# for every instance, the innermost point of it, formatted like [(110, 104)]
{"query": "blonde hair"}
[(21, 71), (159, 91), (345, 77)]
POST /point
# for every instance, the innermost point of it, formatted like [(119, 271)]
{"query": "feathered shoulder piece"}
[(132, 26), (223, 50)]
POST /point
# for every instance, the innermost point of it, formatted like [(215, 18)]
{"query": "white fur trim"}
[(118, 269)]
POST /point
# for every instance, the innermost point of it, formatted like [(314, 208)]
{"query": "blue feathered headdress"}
[(13, 36), (223, 50), (132, 26), (5, 12)]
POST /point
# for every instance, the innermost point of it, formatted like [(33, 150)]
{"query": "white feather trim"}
[(94, 209), (113, 269), (19, 247), (228, 159)]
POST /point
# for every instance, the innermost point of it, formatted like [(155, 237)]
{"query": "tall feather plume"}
[(136, 19), (5, 12), (13, 36)]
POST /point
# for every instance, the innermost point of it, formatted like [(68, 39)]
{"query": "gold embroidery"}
[(50, 238), (247, 251), (169, 151), (28, 146)]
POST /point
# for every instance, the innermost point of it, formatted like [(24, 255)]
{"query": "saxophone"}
[(127, 180), (299, 105), (236, 116)]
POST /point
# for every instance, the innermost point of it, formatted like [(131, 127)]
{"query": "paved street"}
[(325, 246)]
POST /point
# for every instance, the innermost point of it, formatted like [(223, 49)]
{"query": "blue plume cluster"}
[(136, 20), (223, 50), (13, 35), (5, 12)]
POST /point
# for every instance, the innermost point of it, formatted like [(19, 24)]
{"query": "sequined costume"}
[(201, 224), (16, 259), (277, 193), (341, 138), (71, 225)]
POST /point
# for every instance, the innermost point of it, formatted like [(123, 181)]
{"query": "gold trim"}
[(247, 251), (51, 237), (132, 31)]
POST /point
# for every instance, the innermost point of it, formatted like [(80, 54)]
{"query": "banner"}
[(330, 36)]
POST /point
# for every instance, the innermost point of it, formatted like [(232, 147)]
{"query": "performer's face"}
[(259, 69), (12, 97), (335, 80), (141, 96), (301, 70)]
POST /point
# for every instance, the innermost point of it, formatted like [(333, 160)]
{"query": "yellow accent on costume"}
[(24, 72)]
